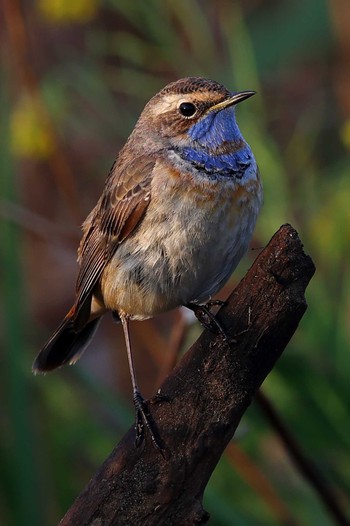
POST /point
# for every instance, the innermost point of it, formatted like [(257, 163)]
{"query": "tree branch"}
[(208, 393)]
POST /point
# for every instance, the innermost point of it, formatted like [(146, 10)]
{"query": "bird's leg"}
[(207, 318), (143, 417)]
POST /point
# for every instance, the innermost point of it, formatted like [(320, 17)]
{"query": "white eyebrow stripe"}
[(173, 100)]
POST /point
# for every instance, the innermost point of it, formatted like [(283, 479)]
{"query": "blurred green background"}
[(74, 77)]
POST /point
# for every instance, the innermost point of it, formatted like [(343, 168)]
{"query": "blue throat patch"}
[(208, 136)]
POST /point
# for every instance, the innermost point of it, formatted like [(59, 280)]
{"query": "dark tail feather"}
[(65, 346)]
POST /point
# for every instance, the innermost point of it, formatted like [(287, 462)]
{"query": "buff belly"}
[(183, 256)]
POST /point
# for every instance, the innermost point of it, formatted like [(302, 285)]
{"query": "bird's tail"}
[(66, 345)]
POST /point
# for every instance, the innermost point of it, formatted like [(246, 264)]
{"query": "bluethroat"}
[(175, 217)]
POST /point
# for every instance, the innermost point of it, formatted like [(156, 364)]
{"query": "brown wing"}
[(118, 212)]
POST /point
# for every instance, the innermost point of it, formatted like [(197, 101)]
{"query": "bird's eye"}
[(187, 109)]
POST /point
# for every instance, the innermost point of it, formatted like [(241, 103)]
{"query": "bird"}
[(176, 215)]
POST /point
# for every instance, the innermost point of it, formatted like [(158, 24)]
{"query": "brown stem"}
[(303, 464), (262, 486)]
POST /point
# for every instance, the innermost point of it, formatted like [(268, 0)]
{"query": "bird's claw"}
[(144, 420), (207, 318)]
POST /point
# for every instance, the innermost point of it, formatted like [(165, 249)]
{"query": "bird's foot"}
[(207, 318), (144, 420), (215, 303)]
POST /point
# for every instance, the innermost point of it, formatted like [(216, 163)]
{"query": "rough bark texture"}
[(208, 393)]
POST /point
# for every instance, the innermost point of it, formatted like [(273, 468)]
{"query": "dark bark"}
[(208, 393)]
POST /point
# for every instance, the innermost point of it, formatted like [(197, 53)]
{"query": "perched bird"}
[(175, 217)]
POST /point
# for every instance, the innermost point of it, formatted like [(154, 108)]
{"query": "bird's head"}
[(193, 111)]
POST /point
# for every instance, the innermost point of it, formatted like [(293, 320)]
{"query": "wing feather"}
[(116, 215)]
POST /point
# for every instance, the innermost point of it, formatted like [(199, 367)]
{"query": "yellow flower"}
[(29, 137), (65, 11), (345, 134)]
